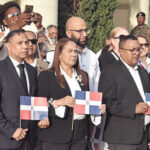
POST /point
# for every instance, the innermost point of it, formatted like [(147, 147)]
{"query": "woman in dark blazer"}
[(67, 131)]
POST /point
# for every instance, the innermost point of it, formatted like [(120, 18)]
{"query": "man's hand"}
[(141, 108), (66, 101), (44, 123), (103, 108), (19, 134), (37, 20), (148, 145), (20, 21)]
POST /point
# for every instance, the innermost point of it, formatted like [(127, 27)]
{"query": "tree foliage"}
[(98, 15)]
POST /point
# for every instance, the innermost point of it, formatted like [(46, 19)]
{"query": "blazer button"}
[(142, 117)]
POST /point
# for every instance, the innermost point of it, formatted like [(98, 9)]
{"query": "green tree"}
[(98, 15)]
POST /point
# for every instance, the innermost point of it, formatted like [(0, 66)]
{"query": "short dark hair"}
[(4, 8), (140, 14), (124, 38), (12, 33)]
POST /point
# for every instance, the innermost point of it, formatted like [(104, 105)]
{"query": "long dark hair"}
[(56, 64)]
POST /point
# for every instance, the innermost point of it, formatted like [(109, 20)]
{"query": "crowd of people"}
[(40, 65)]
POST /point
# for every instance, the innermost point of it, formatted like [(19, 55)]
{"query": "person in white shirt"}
[(124, 85), (76, 29), (67, 130)]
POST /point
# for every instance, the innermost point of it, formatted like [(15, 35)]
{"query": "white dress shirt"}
[(136, 77), (89, 63), (16, 63), (50, 58), (73, 85)]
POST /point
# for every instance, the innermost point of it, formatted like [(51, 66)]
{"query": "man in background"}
[(142, 28)]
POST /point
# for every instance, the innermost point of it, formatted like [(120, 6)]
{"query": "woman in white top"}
[(67, 131)]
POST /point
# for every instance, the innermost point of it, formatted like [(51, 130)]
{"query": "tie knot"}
[(21, 66)]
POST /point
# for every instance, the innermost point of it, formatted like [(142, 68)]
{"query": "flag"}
[(148, 102), (33, 108), (88, 102)]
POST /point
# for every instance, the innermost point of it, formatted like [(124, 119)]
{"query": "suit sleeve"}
[(6, 127), (45, 83), (111, 96)]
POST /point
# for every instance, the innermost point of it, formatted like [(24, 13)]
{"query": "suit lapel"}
[(83, 88), (15, 75), (131, 81), (143, 80)]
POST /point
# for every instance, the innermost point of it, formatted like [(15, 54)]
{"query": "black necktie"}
[(23, 77)]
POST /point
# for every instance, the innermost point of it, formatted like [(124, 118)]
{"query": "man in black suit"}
[(124, 85), (17, 78)]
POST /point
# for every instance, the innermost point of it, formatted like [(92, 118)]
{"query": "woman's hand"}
[(66, 101), (103, 108), (44, 123)]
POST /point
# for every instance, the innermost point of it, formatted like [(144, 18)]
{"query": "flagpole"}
[(72, 120), (20, 123)]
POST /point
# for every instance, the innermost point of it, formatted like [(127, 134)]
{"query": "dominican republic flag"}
[(148, 102), (88, 102), (33, 108)]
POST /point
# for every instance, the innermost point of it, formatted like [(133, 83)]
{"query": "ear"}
[(8, 46), (68, 33), (5, 22)]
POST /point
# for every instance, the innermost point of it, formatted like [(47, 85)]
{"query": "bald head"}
[(76, 30), (74, 22)]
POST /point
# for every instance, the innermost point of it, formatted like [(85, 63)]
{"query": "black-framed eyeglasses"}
[(80, 31), (134, 50), (33, 41), (14, 14), (145, 45)]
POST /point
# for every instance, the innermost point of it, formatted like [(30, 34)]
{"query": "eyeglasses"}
[(145, 45), (33, 41), (134, 50), (14, 14), (116, 38), (80, 31)]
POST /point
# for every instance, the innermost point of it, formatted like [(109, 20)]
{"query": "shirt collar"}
[(129, 67), (74, 74), (15, 63), (84, 51)]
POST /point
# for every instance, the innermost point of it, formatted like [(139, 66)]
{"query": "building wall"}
[(125, 14)]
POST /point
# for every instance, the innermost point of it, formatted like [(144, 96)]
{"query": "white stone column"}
[(135, 7), (47, 8), (3, 1)]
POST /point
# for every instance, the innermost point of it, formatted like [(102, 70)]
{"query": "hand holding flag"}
[(88, 102), (148, 102)]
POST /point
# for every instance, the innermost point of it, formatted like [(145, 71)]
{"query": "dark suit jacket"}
[(10, 91), (106, 59), (60, 129), (120, 94)]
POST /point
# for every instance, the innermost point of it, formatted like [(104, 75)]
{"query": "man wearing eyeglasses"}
[(124, 85), (77, 30), (52, 37), (12, 19), (9, 21)]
